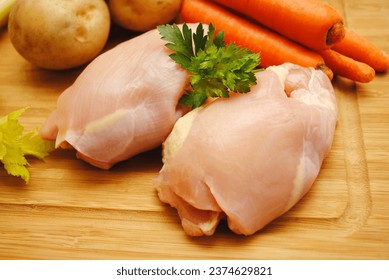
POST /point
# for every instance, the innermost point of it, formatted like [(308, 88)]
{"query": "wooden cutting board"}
[(71, 210)]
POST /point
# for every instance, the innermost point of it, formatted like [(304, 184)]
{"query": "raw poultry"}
[(249, 158)]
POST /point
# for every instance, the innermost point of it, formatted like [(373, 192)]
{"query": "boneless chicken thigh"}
[(249, 158), (125, 102)]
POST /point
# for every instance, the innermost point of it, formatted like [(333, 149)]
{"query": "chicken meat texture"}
[(122, 104), (249, 158)]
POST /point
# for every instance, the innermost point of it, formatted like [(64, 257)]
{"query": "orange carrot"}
[(361, 49), (347, 67), (311, 23), (274, 49)]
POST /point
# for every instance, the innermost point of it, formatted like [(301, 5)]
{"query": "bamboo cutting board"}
[(71, 210)]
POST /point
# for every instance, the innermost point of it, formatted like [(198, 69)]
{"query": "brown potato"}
[(59, 34), (143, 15)]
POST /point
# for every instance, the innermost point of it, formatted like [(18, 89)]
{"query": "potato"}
[(143, 15), (59, 34)]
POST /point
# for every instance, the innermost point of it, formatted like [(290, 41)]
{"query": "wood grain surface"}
[(71, 210)]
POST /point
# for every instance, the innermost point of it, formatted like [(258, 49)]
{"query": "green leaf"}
[(192, 99), (219, 39), (32, 144), (180, 42), (215, 68), (199, 39), (19, 170), (14, 145)]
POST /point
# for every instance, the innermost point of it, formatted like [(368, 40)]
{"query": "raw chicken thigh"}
[(123, 103), (249, 158)]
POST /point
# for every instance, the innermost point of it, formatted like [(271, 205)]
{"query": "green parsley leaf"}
[(215, 68), (180, 43), (14, 145)]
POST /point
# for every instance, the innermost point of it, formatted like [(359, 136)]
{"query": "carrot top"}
[(215, 68)]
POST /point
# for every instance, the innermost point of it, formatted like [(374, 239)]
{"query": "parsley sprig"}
[(215, 68)]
